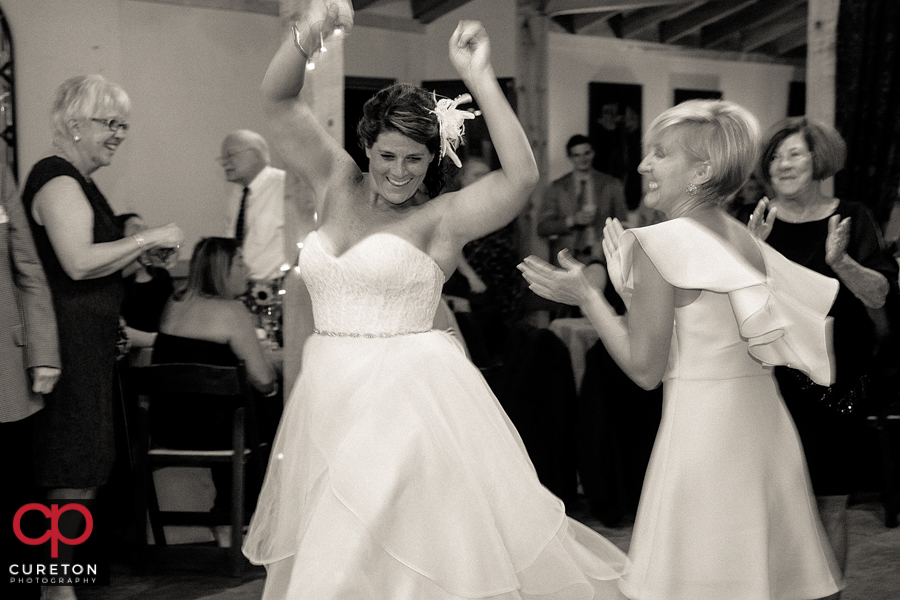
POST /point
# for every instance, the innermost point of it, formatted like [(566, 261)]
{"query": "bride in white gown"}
[(726, 511), (395, 474)]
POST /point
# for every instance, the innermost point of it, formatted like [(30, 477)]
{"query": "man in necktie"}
[(576, 206), (255, 215)]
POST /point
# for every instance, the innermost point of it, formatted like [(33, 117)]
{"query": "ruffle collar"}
[(782, 313)]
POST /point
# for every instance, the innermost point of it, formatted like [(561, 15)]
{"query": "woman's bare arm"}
[(498, 197), (61, 207), (639, 341), (246, 346), (870, 286), (302, 142)]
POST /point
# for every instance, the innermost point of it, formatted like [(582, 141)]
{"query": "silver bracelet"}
[(140, 242), (296, 35)]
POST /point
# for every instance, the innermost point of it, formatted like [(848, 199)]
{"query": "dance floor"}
[(196, 572)]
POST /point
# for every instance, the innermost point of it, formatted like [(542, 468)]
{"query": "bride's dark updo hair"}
[(405, 108)]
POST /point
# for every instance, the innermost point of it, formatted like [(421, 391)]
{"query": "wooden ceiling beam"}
[(361, 4), (580, 23), (566, 21), (769, 32), (757, 14), (555, 8), (428, 11), (376, 21), (639, 21), (791, 41), (587, 20), (692, 22), (264, 7)]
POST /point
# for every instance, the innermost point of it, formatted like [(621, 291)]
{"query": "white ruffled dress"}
[(726, 510), (395, 473)]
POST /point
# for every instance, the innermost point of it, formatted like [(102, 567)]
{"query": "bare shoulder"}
[(235, 308), (741, 240), (59, 190), (211, 319)]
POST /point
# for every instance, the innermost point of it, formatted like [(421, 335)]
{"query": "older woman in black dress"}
[(84, 252), (838, 238)]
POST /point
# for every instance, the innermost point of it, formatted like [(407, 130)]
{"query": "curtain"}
[(868, 102)]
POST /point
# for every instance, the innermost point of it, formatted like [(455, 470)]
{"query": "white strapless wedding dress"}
[(395, 474)]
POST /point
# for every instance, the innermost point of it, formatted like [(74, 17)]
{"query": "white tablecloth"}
[(578, 335)]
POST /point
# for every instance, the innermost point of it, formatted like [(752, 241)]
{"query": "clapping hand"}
[(567, 285), (611, 232), (837, 240), (470, 48), (760, 223)]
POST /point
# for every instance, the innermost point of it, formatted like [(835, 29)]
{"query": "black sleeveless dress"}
[(73, 436), (831, 440)]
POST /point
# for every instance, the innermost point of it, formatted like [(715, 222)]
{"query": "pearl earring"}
[(76, 138), (692, 189)]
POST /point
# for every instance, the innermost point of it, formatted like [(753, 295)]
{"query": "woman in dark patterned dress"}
[(837, 238), (84, 253)]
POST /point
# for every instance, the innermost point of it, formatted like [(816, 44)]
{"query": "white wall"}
[(575, 61), (413, 57), (193, 75)]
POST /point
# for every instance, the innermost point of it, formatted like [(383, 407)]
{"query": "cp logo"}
[(53, 533)]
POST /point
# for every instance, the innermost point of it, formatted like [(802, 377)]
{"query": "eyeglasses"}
[(114, 125), (227, 158), (793, 157)]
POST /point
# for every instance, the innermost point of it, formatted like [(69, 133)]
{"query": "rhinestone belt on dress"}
[(368, 335)]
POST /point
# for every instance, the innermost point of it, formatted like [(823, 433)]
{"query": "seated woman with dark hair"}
[(206, 323)]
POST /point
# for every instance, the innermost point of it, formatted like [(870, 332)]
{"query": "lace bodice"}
[(381, 286)]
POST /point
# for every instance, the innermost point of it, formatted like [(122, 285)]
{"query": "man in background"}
[(255, 214), (576, 206)]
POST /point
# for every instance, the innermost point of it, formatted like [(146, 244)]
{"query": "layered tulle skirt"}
[(396, 475)]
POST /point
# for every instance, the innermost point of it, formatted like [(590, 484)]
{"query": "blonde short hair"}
[(85, 96), (723, 134)]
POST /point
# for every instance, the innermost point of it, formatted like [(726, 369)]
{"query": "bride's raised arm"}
[(496, 199), (305, 146)]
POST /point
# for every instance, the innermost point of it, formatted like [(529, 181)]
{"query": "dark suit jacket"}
[(27, 322), (561, 201)]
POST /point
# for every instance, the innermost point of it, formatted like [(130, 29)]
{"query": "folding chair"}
[(155, 383)]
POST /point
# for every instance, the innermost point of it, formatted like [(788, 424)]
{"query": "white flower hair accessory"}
[(451, 119)]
